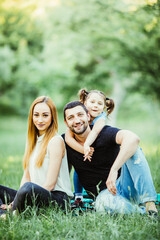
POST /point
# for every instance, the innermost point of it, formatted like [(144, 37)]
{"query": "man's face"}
[(77, 120)]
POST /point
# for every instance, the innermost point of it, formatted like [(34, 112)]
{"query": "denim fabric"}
[(134, 186), (78, 188)]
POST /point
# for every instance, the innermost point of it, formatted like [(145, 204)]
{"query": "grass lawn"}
[(54, 224)]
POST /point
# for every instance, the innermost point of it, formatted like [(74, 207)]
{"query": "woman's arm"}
[(97, 127), (56, 153), (129, 143), (26, 177), (69, 138)]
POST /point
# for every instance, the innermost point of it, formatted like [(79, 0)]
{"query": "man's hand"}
[(111, 181)]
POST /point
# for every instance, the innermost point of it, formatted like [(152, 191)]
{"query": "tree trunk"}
[(118, 95)]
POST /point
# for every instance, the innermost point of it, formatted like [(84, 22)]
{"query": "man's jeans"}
[(134, 186)]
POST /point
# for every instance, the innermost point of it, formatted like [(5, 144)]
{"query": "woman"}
[(46, 176)]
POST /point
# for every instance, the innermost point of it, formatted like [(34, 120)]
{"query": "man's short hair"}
[(72, 105)]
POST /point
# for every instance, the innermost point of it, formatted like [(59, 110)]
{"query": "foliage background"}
[(55, 48)]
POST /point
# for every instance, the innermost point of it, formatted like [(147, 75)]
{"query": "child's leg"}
[(77, 186)]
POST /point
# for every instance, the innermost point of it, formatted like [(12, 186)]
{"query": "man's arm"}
[(129, 144)]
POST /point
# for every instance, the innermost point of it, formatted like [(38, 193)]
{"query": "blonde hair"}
[(33, 132), (108, 102)]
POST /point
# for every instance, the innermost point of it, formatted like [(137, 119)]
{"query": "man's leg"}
[(107, 202), (135, 182), (135, 185)]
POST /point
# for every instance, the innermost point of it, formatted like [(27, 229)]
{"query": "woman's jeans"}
[(31, 194), (134, 186)]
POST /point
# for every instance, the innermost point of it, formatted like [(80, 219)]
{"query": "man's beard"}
[(82, 130)]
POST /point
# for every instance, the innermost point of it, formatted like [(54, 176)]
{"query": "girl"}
[(46, 176), (96, 103)]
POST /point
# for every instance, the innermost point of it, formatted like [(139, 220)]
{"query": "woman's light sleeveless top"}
[(38, 175)]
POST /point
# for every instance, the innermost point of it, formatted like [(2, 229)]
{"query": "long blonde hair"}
[(33, 132)]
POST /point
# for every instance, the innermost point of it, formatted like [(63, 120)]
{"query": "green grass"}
[(50, 224), (53, 224)]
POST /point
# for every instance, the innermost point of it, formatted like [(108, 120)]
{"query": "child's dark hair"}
[(108, 102)]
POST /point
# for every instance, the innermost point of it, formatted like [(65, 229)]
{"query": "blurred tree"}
[(140, 47), (56, 49), (82, 45), (20, 44)]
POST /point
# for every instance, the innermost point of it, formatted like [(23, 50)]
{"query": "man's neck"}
[(82, 137)]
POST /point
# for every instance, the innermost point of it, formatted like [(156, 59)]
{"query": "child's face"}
[(95, 104)]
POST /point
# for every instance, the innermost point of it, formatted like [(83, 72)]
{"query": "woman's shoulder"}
[(57, 139), (56, 145)]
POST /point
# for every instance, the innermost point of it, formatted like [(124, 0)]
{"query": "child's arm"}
[(97, 127), (69, 138)]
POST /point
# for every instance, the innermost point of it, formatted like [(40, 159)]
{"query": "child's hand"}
[(88, 152)]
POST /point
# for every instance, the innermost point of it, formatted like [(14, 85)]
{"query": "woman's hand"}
[(6, 206), (111, 181)]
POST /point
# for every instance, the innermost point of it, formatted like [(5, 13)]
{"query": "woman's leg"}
[(7, 195), (32, 194), (61, 199)]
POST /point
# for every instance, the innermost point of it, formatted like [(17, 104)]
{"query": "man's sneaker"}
[(78, 203)]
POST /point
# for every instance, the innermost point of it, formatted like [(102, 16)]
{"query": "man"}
[(114, 150)]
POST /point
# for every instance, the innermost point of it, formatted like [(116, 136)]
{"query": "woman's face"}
[(42, 117)]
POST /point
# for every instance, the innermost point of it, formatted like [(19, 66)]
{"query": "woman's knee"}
[(25, 189)]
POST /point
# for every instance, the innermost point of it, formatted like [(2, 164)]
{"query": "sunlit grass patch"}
[(11, 171)]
